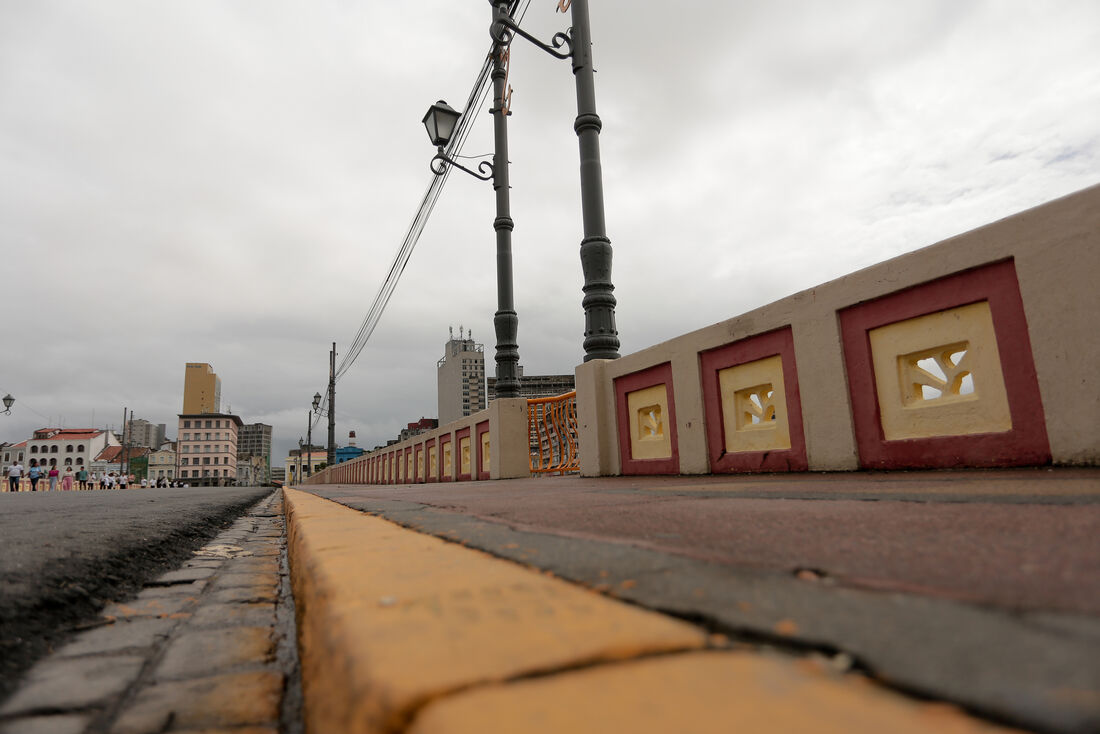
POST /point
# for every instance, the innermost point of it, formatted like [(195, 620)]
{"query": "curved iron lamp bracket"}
[(503, 29), (441, 161)]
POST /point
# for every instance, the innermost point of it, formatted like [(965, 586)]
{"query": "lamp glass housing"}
[(8, 401), (316, 401), (440, 121)]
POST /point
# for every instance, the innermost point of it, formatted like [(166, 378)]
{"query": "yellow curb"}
[(389, 619), (701, 693)]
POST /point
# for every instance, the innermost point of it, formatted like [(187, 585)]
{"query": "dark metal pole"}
[(309, 444), (601, 338), (330, 454), (505, 321)]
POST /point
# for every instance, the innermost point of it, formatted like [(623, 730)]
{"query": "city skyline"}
[(249, 179)]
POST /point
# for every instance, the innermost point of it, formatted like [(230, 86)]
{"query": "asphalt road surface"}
[(64, 555)]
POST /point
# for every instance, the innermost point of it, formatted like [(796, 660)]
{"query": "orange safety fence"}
[(552, 427)]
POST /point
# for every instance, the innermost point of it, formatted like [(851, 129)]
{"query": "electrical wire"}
[(428, 201)]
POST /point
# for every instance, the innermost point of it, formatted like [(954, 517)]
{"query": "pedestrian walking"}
[(15, 473), (35, 473), (67, 480), (144, 483), (93, 478), (54, 475), (82, 478), (122, 480)]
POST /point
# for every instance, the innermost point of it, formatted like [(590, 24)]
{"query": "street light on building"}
[(8, 402), (601, 336)]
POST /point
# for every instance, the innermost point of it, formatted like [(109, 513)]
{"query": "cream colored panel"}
[(754, 406), (940, 375), (647, 411)]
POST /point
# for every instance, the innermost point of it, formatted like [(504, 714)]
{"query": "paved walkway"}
[(931, 602), (978, 588), (208, 647)]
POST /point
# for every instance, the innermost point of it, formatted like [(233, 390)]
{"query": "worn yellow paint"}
[(448, 460), (647, 411), (738, 384), (485, 445), (702, 693), (433, 463), (897, 348), (390, 618)]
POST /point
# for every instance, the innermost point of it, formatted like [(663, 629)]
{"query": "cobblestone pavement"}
[(207, 647)]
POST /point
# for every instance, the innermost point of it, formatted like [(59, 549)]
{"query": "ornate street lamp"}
[(440, 122), (8, 402)]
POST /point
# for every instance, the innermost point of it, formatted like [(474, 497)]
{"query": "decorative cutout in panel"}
[(936, 374), (940, 375), (433, 463), (651, 427), (448, 460), (485, 452), (755, 407)]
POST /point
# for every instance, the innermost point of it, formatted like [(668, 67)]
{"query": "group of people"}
[(80, 479)]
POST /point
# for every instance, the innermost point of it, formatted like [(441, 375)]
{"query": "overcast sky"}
[(227, 182)]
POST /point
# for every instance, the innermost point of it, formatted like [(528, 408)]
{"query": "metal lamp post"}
[(299, 460), (309, 443), (440, 122), (601, 337), (8, 402)]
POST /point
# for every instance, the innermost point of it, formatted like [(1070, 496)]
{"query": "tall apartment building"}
[(206, 449), (202, 389), (140, 432), (254, 440), (461, 378)]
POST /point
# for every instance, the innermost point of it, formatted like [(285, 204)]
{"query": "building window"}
[(68, 462), (206, 459), (208, 424), (183, 461), (80, 448), (187, 424), (80, 460), (34, 449)]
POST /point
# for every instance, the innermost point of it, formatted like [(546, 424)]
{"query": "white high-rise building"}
[(461, 378)]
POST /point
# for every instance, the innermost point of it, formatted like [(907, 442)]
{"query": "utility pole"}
[(330, 454)]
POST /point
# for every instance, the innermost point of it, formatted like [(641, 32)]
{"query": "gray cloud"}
[(228, 182)]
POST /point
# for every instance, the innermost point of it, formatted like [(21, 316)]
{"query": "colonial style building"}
[(61, 447), (206, 449)]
